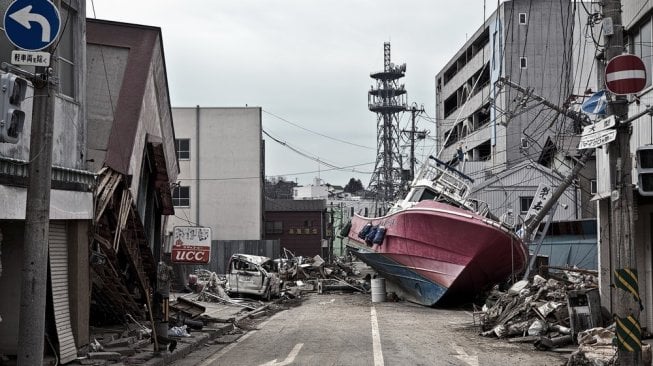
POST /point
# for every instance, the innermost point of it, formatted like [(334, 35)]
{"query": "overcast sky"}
[(307, 64)]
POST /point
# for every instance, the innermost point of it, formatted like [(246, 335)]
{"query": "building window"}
[(525, 203), (523, 62), (65, 51), (495, 48), (183, 149), (522, 18), (274, 227), (593, 186), (524, 143), (181, 196)]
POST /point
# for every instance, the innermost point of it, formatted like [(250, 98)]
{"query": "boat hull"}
[(438, 253)]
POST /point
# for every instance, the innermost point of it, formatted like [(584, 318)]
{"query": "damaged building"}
[(131, 145)]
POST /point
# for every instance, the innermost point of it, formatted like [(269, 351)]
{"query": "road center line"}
[(376, 339)]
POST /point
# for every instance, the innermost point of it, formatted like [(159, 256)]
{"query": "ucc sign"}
[(191, 245)]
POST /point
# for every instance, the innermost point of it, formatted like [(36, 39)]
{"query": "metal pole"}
[(622, 246), (413, 110), (540, 240), (31, 326)]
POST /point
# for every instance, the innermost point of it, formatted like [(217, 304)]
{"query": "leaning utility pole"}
[(31, 326), (622, 247)]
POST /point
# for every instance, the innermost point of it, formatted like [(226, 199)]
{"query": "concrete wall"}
[(103, 94), (155, 119), (225, 167)]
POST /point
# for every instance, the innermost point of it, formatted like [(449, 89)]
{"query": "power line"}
[(309, 156), (317, 133)]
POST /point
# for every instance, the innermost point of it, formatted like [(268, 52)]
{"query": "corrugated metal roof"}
[(294, 205), (20, 168)]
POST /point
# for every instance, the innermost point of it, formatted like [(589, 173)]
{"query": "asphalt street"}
[(348, 329)]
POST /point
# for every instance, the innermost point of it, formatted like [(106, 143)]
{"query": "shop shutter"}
[(59, 282)]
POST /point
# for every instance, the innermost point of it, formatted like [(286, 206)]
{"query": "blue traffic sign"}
[(32, 24)]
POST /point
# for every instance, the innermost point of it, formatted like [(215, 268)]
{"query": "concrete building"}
[(220, 152), (317, 190), (71, 201), (487, 129)]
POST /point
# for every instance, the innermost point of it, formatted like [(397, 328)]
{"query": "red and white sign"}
[(191, 245), (625, 74)]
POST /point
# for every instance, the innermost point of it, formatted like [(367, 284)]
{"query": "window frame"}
[(274, 227), (69, 16), (525, 199), (178, 149), (525, 18), (178, 196)]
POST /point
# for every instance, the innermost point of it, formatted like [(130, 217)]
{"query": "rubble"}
[(549, 313), (296, 274)]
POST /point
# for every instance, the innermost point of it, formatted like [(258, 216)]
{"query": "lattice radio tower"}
[(387, 99)]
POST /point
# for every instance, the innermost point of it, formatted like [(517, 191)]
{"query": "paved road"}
[(349, 330)]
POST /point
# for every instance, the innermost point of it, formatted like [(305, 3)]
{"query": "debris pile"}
[(595, 347), (546, 312), (313, 274), (295, 274)]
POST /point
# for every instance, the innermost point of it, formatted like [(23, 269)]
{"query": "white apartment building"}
[(318, 190), (221, 180)]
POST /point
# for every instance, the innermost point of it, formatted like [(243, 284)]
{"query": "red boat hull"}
[(435, 251)]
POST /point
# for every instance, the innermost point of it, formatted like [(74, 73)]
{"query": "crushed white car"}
[(252, 275)]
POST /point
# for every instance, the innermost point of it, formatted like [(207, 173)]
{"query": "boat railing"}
[(446, 179), (481, 207)]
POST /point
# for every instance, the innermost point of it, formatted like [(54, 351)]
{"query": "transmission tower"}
[(387, 99)]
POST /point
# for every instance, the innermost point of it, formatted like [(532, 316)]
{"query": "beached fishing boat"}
[(437, 244)]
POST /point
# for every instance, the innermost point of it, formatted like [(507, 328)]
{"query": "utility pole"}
[(622, 247), (414, 111), (34, 277), (37, 223), (578, 118), (333, 235)]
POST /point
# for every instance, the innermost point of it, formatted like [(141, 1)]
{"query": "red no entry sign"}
[(625, 74)]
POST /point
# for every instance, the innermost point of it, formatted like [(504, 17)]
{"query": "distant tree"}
[(279, 188), (353, 186)]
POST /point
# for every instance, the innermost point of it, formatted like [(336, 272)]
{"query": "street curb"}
[(187, 345)]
